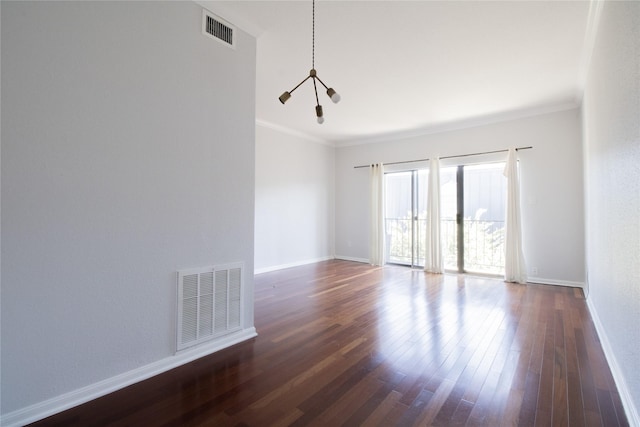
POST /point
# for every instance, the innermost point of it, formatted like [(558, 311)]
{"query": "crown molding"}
[(289, 131), (593, 22), (460, 125), (430, 130)]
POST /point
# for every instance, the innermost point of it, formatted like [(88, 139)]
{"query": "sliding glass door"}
[(484, 218), (472, 206), (473, 201), (449, 218), (405, 217)]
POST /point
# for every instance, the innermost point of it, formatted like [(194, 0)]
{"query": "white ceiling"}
[(408, 67)]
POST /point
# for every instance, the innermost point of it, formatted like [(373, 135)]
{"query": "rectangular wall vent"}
[(217, 28), (209, 303)]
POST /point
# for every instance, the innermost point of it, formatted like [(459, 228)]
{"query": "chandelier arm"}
[(315, 89), (325, 86), (300, 84)]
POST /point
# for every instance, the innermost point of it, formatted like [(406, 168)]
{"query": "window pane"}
[(484, 215), (398, 217)]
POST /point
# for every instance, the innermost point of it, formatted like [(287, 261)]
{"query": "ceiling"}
[(411, 67)]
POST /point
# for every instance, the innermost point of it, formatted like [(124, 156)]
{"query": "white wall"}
[(551, 183), (127, 154), (612, 177), (294, 200)]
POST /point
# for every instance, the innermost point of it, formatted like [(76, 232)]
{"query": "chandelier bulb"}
[(335, 97), (319, 114)]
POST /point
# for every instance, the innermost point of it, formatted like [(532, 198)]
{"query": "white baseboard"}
[(544, 281), (627, 402), (77, 397), (289, 265), (348, 258)]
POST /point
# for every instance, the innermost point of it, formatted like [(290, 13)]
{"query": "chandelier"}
[(313, 74)]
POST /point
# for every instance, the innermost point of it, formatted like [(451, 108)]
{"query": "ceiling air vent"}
[(217, 28)]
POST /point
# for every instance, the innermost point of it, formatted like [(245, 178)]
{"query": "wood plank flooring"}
[(343, 343)]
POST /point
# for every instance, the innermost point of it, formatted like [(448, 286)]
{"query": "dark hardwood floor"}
[(343, 343)]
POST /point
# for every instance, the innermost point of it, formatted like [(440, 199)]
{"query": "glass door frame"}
[(414, 217), (460, 219)]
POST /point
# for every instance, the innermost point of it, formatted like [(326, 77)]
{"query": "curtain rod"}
[(447, 157)]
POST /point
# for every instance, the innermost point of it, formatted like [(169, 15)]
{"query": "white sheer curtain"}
[(515, 269), (434, 262), (376, 245)]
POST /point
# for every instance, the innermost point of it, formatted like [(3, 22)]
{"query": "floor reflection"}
[(434, 319)]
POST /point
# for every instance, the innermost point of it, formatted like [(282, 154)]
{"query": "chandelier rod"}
[(313, 35)]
